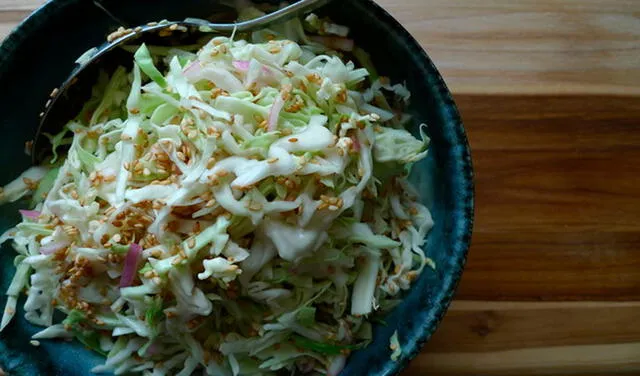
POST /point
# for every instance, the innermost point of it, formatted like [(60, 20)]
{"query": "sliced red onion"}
[(153, 349), (241, 65), (356, 143), (193, 69), (130, 265), (32, 214), (274, 113), (52, 248), (337, 365), (267, 71), (337, 43)]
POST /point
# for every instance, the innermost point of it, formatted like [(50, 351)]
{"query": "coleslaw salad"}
[(239, 210)]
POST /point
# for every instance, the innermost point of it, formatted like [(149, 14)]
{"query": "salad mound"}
[(239, 210)]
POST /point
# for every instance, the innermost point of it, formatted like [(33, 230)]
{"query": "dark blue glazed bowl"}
[(41, 52)]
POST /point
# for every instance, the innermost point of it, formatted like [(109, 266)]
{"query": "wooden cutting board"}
[(549, 91)]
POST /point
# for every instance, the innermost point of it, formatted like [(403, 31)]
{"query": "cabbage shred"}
[(266, 187)]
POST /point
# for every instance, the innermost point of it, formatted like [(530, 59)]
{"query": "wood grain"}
[(488, 338), (529, 46), (617, 359), (481, 326), (557, 198), (546, 266), (550, 122), (28, 5)]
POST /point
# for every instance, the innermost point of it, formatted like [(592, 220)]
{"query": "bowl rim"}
[(9, 45), (452, 280)]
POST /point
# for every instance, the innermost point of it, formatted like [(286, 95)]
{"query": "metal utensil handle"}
[(281, 14), (105, 10)]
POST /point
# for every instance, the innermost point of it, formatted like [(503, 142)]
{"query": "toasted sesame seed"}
[(211, 162), (293, 139), (342, 97), (31, 184), (412, 275), (70, 230), (314, 78), (255, 206)]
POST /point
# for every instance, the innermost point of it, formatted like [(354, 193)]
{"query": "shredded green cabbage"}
[(241, 210), (394, 345)]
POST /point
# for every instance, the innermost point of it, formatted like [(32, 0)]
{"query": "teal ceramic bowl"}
[(41, 52)]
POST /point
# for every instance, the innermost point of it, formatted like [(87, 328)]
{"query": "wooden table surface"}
[(549, 91)]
